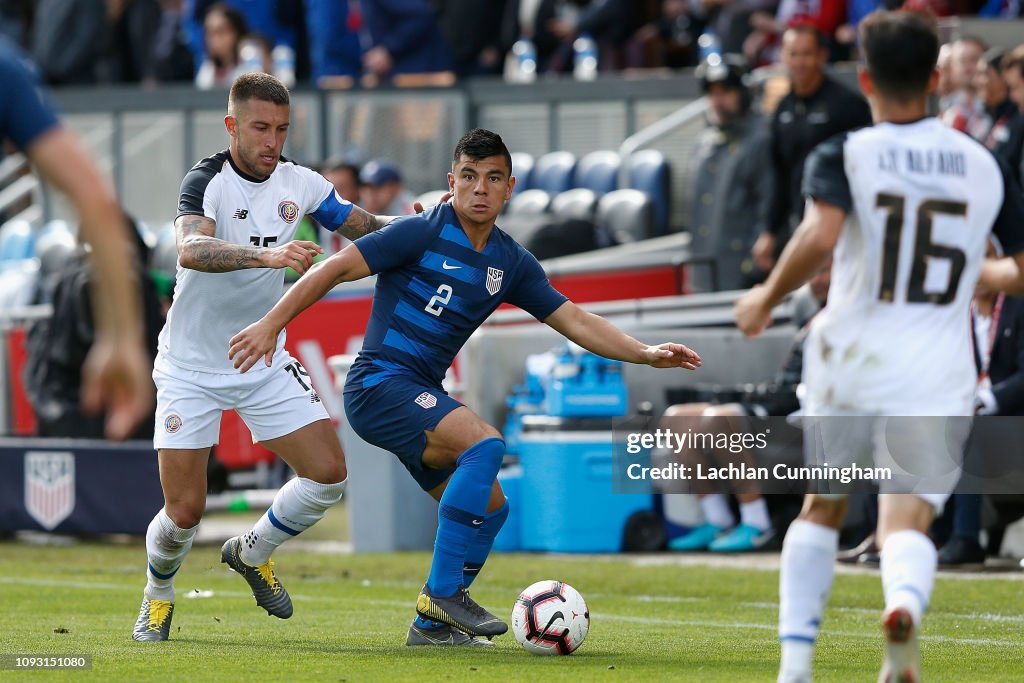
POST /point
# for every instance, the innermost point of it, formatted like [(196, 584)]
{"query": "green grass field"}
[(652, 619)]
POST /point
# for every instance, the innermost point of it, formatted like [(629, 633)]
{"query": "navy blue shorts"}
[(394, 415)]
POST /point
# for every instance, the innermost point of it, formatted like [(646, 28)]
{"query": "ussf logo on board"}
[(288, 211), (49, 486)]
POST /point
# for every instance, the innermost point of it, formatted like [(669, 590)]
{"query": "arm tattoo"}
[(360, 223), (199, 250)]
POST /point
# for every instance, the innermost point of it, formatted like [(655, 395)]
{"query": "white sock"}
[(805, 578), (299, 504), (755, 514), (716, 511), (908, 571), (166, 547)]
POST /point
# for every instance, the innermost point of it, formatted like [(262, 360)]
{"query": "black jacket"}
[(1006, 363), (798, 126)]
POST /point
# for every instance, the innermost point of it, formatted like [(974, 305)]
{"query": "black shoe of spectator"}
[(853, 555), (960, 551)]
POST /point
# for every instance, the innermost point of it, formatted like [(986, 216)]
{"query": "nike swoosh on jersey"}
[(445, 266)]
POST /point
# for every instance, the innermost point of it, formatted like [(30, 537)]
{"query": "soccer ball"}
[(550, 618)]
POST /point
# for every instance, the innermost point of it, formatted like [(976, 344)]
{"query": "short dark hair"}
[(257, 85), (807, 28), (480, 143), (900, 50), (1014, 59)]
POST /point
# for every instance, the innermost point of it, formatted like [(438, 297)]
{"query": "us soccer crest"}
[(494, 280), (49, 486)]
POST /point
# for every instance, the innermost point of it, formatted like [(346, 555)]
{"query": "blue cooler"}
[(566, 489), (510, 538)]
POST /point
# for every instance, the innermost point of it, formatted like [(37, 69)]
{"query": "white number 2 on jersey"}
[(439, 300)]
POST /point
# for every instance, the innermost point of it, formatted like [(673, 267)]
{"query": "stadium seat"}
[(554, 172), (649, 172), (17, 240), (628, 215), (599, 171), (430, 198), (529, 203), (522, 169), (579, 203)]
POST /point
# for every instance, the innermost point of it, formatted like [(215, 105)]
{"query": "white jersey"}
[(921, 200), (210, 308)]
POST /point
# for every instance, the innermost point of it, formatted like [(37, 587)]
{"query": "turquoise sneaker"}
[(742, 539), (698, 539)]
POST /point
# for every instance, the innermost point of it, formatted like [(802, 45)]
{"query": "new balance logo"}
[(426, 400), (241, 214), (445, 266)]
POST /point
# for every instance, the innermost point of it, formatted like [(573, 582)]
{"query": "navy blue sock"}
[(461, 513), (480, 546)]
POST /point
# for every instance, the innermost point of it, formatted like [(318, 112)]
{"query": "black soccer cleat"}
[(268, 591), (461, 611)]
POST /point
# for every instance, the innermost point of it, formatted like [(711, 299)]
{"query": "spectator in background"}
[(133, 26), (762, 46), (57, 347), (1012, 70), (278, 20), (345, 178), (382, 189), (998, 338), (720, 532), (669, 40), (172, 59), (946, 86), (1001, 113), (558, 23), (816, 108), (731, 197), (730, 20), (478, 33), (404, 38), (335, 53), (964, 112), (224, 28), (67, 39)]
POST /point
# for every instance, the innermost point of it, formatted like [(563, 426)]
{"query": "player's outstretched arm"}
[(599, 336), (810, 245), (260, 339), (198, 249)]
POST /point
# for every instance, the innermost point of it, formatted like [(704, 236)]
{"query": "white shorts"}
[(272, 402), (922, 456)]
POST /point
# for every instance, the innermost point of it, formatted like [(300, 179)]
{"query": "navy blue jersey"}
[(25, 113), (433, 290)]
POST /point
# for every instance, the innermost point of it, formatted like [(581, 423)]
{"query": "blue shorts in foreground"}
[(394, 414)]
